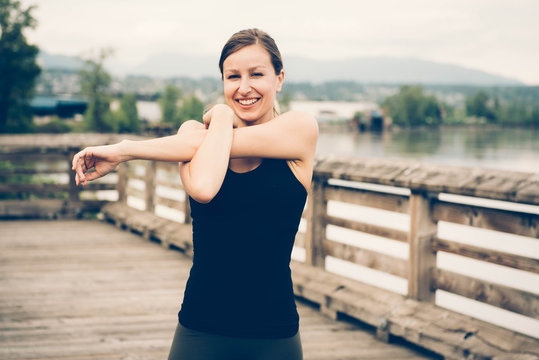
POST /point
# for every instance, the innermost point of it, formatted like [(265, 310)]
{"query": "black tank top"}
[(240, 282)]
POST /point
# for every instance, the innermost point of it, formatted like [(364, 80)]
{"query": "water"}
[(511, 149)]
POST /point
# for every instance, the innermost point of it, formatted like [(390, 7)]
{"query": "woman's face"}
[(250, 84)]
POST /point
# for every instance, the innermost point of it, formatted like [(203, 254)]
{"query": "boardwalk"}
[(86, 290)]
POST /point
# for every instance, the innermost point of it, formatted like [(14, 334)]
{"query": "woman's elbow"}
[(202, 194)]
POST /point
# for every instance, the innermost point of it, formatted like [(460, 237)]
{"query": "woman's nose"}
[(245, 86)]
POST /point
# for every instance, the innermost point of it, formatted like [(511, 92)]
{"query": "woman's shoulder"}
[(301, 121)]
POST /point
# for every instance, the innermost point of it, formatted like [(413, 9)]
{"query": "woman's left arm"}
[(292, 136)]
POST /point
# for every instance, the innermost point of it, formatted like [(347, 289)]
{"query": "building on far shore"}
[(44, 107)]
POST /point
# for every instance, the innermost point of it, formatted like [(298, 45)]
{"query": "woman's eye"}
[(257, 74), (232, 77)]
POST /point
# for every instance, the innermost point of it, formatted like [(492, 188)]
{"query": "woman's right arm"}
[(103, 159)]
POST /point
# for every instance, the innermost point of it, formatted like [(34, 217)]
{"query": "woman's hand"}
[(102, 159), (219, 111)]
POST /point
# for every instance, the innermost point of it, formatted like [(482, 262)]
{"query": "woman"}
[(247, 171)]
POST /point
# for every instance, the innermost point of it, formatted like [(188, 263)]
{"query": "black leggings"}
[(195, 345)]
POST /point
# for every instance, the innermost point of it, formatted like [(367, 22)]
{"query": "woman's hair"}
[(249, 37)]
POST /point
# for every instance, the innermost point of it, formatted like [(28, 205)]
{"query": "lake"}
[(513, 149)]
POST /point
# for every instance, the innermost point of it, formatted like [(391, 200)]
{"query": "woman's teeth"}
[(247, 101)]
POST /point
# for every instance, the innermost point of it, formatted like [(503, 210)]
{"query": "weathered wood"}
[(95, 297), (141, 194), (47, 208), (519, 223), (121, 184), (488, 183), (168, 202), (73, 189), (27, 171), (368, 258), (372, 229), (452, 335), (33, 188), (483, 254), (316, 226), (379, 200), (149, 182), (421, 259), (173, 184), (511, 299)]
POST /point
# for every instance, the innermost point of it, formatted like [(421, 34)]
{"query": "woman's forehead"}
[(251, 56)]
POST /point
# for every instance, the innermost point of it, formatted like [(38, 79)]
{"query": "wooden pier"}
[(34, 282), (87, 290)]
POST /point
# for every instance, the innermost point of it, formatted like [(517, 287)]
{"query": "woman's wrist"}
[(125, 150)]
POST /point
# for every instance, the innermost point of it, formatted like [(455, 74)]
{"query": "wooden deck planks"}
[(80, 290)]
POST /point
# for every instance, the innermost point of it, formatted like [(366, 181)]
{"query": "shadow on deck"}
[(87, 290)]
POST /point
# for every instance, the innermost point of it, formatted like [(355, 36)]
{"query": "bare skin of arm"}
[(291, 136)]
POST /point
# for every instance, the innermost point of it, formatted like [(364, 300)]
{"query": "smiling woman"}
[(246, 171)]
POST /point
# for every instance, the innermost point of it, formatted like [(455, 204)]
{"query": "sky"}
[(496, 36)]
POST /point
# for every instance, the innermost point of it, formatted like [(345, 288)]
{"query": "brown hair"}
[(248, 37)]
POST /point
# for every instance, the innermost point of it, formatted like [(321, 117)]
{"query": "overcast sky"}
[(501, 37)]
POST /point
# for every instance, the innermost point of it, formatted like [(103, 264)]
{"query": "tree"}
[(191, 109), (127, 118), (18, 67), (169, 105), (479, 105), (95, 83), (410, 107)]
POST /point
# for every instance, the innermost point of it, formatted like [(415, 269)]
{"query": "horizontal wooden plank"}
[(453, 335), (97, 186), (489, 255), (372, 229), (32, 171), (174, 184), (511, 299), (33, 188), (171, 167), (368, 258), (136, 193), (519, 223), (379, 200), (132, 175), (47, 208), (171, 203), (488, 183)]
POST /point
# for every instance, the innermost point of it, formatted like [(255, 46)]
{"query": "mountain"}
[(52, 61), (298, 69)]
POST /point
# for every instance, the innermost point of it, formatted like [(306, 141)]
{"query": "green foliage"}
[(55, 126), (18, 67), (127, 115), (191, 109), (411, 107), (95, 83), (478, 105), (520, 110), (169, 105), (284, 98)]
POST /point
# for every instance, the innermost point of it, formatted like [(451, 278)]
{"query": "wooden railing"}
[(425, 194), (425, 209)]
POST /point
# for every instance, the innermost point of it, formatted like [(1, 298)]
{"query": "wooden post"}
[(186, 209), (121, 184), (73, 188), (316, 223), (150, 186), (422, 258)]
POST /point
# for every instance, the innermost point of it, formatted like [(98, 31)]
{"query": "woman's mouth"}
[(247, 102)]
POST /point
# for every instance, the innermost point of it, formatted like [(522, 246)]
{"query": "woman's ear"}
[(280, 79)]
